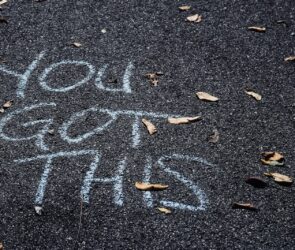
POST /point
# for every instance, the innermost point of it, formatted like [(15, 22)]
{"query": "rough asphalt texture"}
[(219, 56)]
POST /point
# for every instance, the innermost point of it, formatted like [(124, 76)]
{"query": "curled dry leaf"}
[(194, 18), (1, 246), (254, 95), (183, 120), (7, 104), (150, 127), (256, 182), (273, 159), (77, 45), (2, 110), (206, 97), (185, 7), (164, 210), (280, 178), (289, 59), (248, 206), (214, 138), (3, 2), (149, 187), (257, 29)]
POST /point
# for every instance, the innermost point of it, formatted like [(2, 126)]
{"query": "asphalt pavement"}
[(72, 144)]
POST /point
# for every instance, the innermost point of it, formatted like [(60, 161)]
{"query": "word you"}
[(23, 77), (116, 180)]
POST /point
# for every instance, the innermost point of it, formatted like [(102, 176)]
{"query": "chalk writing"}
[(48, 167), (23, 78), (126, 80), (93, 177), (188, 183), (44, 75), (113, 116), (117, 179), (39, 136)]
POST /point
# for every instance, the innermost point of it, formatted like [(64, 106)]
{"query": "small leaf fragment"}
[(164, 210), (150, 127), (214, 137), (256, 182), (184, 7), (51, 131), (38, 210), (183, 120), (77, 45), (273, 159), (257, 28), (3, 19), (148, 186), (2, 110), (248, 206), (7, 104), (103, 31), (289, 59), (112, 80), (1, 246), (206, 97), (3, 2), (254, 95), (194, 18), (280, 178)]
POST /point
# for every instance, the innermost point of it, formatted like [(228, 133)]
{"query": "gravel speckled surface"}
[(218, 55)]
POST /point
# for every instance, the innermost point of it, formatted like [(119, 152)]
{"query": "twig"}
[(80, 220)]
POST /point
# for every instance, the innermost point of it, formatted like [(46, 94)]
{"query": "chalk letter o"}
[(76, 116), (44, 85)]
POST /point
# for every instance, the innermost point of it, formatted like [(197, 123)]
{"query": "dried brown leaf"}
[(148, 186), (150, 127), (194, 18), (257, 29), (7, 104), (1, 246), (248, 206), (206, 97), (256, 182), (273, 159), (214, 138), (164, 210), (3, 2), (280, 178), (289, 59), (183, 120), (3, 19), (254, 95), (77, 45), (184, 7), (153, 77)]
